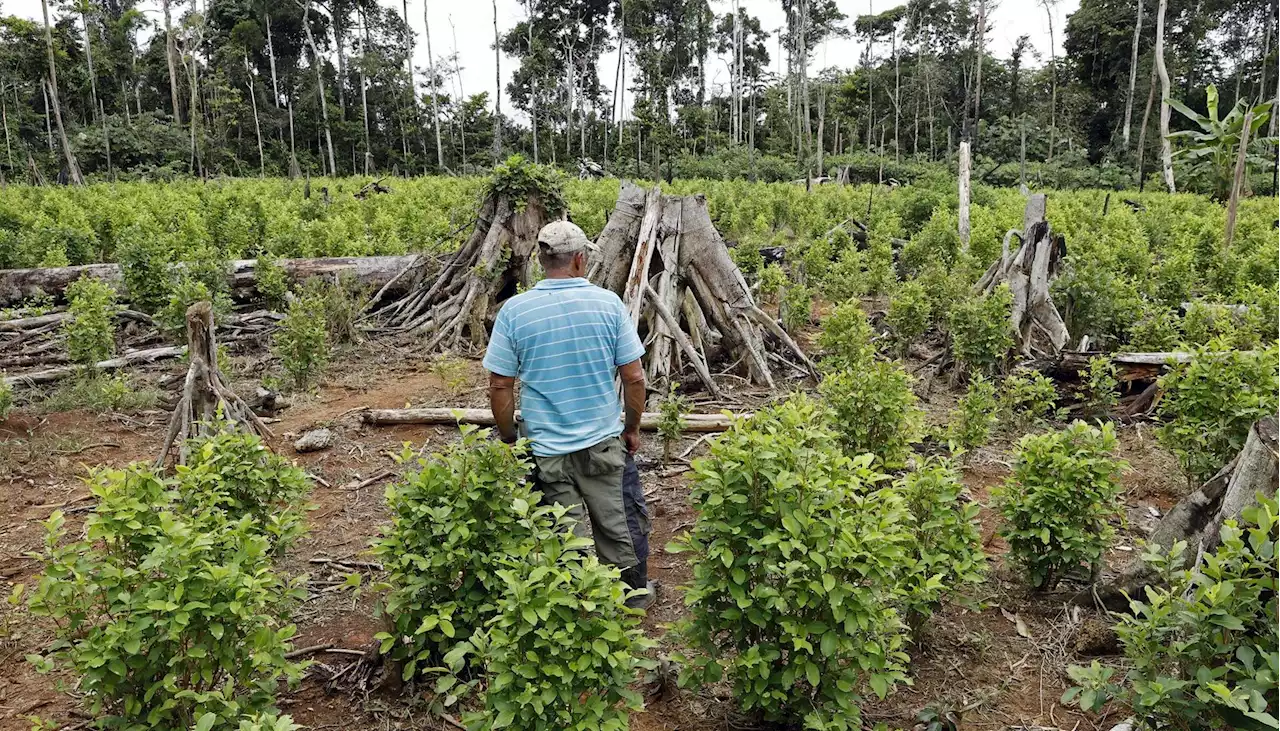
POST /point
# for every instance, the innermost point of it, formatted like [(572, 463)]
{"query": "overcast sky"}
[(468, 28)]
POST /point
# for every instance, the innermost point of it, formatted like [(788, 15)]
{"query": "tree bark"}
[(88, 56), (1053, 76), (127, 360), (271, 54), (257, 126), (497, 88), (1166, 147), (1133, 76), (1237, 181), (364, 97)]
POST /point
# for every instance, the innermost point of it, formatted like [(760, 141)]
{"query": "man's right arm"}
[(633, 395), (501, 361)]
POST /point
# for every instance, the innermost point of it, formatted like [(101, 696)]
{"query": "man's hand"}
[(632, 441), (502, 401)]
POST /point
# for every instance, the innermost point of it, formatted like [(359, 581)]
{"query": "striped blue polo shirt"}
[(564, 340)]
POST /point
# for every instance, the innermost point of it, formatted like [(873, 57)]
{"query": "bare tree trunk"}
[(364, 97), (315, 62), (1053, 79), (1166, 148), (106, 139), (1237, 181), (979, 44), (73, 167), (431, 68), (339, 40), (4, 120), (1142, 131), (497, 88), (533, 97), (964, 196), (271, 54), (88, 56), (257, 127), (897, 95), (1133, 75), (615, 111), (822, 121), (171, 56)]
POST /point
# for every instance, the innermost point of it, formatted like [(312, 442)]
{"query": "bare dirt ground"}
[(976, 662)]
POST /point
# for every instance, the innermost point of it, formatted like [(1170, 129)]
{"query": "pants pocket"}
[(605, 458)]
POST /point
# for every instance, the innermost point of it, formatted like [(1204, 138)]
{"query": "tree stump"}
[(206, 400), (662, 255), (462, 297), (1198, 517), (1038, 327)]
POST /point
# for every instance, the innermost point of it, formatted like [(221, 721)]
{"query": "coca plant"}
[(796, 556)]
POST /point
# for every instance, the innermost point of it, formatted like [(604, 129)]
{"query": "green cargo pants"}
[(604, 480)]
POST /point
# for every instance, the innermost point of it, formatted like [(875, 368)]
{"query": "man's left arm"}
[(627, 352)]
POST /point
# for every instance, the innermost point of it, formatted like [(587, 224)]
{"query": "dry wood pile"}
[(662, 255)]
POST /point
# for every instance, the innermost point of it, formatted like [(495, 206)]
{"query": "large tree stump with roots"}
[(662, 255), (1198, 517), (204, 394), (1038, 327), (462, 297)]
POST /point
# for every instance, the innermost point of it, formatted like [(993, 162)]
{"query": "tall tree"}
[(316, 65), (1166, 147), (431, 86), (1133, 75), (73, 167)]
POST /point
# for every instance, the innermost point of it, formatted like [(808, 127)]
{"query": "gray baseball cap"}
[(562, 237)]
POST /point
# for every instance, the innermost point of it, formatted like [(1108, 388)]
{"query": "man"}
[(564, 340)]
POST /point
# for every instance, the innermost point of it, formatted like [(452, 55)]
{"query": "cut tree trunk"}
[(1198, 518), (662, 255), (204, 393), (370, 271), (484, 417), (463, 296), (1038, 328)]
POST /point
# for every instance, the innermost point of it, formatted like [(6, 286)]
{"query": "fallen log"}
[(484, 417), (368, 271), (1198, 517), (137, 357), (22, 324)]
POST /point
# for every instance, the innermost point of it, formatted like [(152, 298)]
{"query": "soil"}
[(975, 662)]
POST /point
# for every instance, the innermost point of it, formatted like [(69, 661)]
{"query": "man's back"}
[(563, 340)]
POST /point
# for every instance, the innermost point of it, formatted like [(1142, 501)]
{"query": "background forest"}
[(107, 89)]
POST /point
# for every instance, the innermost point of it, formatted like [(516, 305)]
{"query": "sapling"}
[(91, 330), (672, 423)]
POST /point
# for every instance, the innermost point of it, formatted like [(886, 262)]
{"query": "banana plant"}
[(1211, 150)]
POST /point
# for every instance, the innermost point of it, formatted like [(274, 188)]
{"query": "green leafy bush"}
[(144, 264), (167, 610), (945, 552), (875, 411), (772, 280), (971, 423), (186, 292), (518, 179), (795, 561), (302, 341), (1027, 397), (1210, 403), (6, 398), (846, 338), (454, 521), (748, 258), (91, 330), (235, 472), (980, 331), (343, 302), (943, 288), (1099, 387), (1059, 500), (1159, 330), (908, 314), (796, 307), (271, 281), (562, 648), (1202, 652)]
